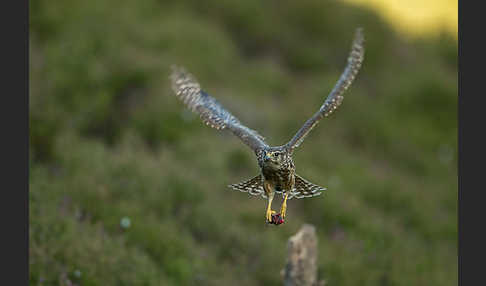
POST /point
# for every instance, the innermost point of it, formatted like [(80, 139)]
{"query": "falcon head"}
[(274, 158)]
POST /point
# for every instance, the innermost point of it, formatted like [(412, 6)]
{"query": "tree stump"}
[(301, 267)]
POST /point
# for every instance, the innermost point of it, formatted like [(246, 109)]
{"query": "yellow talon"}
[(269, 215), (269, 208), (283, 209)]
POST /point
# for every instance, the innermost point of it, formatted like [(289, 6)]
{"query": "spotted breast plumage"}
[(277, 174)]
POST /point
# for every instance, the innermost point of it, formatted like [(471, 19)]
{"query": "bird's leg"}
[(269, 208), (283, 209)]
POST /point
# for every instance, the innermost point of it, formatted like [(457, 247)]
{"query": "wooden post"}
[(301, 267)]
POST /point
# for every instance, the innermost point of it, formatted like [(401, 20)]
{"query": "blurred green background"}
[(129, 188)]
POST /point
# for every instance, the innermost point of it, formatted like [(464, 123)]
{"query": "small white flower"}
[(125, 222)]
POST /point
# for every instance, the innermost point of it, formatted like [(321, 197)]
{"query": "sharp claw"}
[(269, 216)]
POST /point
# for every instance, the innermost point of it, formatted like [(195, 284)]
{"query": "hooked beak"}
[(267, 157)]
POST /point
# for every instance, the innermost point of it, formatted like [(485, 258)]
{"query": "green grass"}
[(109, 140)]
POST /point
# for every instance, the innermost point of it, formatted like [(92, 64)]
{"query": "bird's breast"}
[(281, 179)]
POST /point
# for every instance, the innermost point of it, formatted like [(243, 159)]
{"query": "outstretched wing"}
[(211, 111), (335, 98), (305, 189)]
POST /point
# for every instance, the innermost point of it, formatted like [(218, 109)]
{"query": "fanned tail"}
[(302, 188), (305, 189), (252, 186)]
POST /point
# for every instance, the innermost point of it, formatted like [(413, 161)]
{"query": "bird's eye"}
[(276, 154)]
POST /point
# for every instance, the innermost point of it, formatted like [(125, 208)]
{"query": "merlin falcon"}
[(277, 168)]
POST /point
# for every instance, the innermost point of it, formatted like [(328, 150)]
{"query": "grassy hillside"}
[(129, 188)]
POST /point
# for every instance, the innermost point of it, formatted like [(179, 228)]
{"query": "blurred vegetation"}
[(129, 188)]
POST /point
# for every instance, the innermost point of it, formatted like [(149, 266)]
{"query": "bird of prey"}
[(277, 174)]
